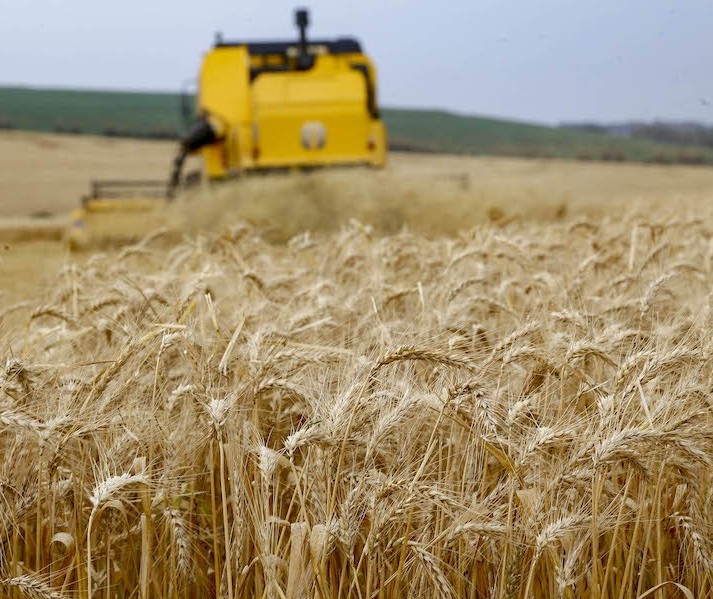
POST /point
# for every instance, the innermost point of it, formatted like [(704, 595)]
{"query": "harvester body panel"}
[(224, 87)]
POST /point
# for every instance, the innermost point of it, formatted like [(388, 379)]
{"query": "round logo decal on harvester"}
[(314, 135)]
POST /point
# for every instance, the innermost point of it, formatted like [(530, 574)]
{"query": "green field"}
[(158, 115)]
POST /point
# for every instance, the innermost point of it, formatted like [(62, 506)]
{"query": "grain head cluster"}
[(509, 412)]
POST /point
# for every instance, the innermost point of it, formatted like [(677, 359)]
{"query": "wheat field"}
[(509, 412), (518, 407)]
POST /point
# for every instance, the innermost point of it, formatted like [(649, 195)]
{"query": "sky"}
[(545, 61)]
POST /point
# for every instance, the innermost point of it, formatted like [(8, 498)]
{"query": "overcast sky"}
[(536, 60)]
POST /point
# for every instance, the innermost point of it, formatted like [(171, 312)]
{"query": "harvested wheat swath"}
[(515, 412)]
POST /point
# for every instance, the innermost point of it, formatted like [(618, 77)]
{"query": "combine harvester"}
[(262, 107)]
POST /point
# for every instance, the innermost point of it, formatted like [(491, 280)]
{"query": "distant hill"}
[(158, 115), (670, 132)]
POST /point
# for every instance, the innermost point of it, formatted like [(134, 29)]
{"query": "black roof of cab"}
[(344, 45)]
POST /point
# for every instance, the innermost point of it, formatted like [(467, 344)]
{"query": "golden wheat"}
[(515, 411)]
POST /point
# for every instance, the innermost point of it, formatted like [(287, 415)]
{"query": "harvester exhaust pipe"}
[(304, 60), (302, 20)]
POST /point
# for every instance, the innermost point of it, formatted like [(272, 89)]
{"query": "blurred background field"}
[(468, 186), (45, 175), (158, 116)]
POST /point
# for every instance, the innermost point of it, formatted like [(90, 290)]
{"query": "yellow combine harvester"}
[(267, 106), (273, 105)]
